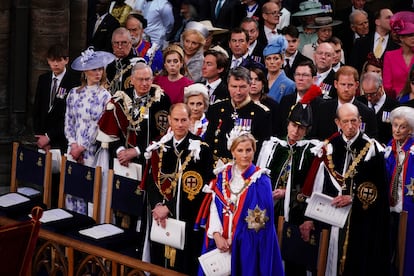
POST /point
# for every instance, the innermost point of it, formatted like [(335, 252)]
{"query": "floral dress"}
[(84, 108)]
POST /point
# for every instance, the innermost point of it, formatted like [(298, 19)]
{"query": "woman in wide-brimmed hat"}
[(397, 63), (279, 84), (85, 104)]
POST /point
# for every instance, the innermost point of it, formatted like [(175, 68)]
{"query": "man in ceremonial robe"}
[(352, 172), (181, 165), (289, 161)]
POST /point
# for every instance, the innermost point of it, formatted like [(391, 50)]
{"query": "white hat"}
[(211, 28), (89, 60)]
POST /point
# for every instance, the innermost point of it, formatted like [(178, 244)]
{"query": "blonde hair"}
[(243, 138)]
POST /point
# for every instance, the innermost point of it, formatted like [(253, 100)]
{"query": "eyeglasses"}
[(304, 75), (120, 43), (275, 13), (372, 94)]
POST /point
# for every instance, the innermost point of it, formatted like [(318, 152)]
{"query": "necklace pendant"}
[(233, 197)]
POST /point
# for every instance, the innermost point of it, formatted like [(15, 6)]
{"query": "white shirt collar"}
[(251, 47), (60, 76), (214, 84)]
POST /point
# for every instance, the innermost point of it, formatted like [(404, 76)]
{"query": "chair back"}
[(80, 183), (18, 242), (31, 167), (123, 196)]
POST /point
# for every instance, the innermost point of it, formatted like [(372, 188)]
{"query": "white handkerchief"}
[(216, 263), (173, 234)]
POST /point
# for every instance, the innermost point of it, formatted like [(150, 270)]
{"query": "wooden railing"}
[(58, 254)]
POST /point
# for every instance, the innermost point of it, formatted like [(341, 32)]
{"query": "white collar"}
[(251, 47), (60, 76), (214, 84)]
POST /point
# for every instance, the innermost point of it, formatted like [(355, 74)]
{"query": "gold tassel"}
[(169, 254), (345, 247)]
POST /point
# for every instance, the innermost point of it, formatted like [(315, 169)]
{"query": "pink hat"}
[(402, 23)]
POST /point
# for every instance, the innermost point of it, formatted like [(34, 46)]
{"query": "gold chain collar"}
[(175, 175), (350, 173)]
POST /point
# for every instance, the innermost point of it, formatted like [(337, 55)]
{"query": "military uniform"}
[(223, 116), (178, 176)]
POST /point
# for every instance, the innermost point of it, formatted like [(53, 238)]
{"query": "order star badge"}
[(256, 219), (410, 188)]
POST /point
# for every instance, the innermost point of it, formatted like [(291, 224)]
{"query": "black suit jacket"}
[(220, 93), (298, 59), (330, 79), (102, 39), (47, 120), (324, 124), (257, 54), (226, 18), (285, 106), (344, 31), (384, 125), (365, 45)]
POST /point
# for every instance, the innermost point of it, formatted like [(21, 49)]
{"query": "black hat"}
[(301, 114), (140, 17)]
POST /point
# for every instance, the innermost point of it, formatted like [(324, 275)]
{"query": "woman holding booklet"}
[(241, 220)]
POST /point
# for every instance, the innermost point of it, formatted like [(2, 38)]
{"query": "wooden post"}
[(323, 252), (402, 232)]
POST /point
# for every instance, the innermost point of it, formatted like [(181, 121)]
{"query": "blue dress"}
[(281, 87), (254, 248), (407, 195), (84, 108)]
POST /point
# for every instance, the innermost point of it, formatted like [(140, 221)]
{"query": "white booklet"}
[(133, 171), (11, 199), (54, 215), (216, 263), (173, 234), (101, 231), (320, 208), (28, 191)]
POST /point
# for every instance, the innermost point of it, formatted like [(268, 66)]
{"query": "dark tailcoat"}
[(52, 120), (324, 122), (383, 123), (365, 45), (102, 38), (330, 79), (298, 59), (226, 18)]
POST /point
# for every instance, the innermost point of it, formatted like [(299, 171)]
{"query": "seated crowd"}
[(241, 112)]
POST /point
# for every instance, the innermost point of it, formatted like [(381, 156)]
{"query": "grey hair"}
[(355, 13), (404, 112), (240, 73), (195, 90), (121, 31), (372, 77), (139, 66)]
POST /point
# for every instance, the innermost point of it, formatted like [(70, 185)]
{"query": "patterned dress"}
[(84, 107)]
